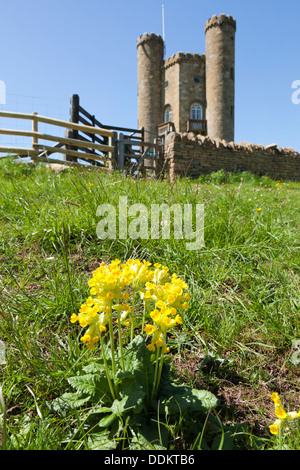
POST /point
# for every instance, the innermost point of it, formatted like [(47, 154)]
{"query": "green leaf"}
[(183, 399), (95, 367), (130, 389), (223, 441), (137, 360), (101, 441), (107, 420), (66, 402), (147, 435), (93, 386)]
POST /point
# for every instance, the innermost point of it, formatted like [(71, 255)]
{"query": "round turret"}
[(150, 52), (220, 63)]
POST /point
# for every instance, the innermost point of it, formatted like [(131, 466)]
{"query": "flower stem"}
[(121, 343), (112, 346), (280, 438), (132, 316), (106, 369), (144, 315), (155, 375), (161, 363)]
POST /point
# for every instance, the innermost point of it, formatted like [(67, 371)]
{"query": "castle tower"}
[(150, 49), (220, 61)]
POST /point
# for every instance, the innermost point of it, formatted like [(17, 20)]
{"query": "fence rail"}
[(120, 148), (65, 145)]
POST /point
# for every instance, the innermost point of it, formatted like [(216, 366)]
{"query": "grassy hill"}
[(240, 335)]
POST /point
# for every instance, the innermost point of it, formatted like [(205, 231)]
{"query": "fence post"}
[(113, 155), (70, 133), (120, 152), (34, 129)]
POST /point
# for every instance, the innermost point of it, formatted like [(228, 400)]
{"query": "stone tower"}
[(220, 63), (150, 69), (188, 92)]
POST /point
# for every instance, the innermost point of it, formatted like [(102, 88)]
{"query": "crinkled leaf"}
[(93, 386), (119, 406), (130, 389), (67, 402), (101, 441), (148, 435), (183, 399), (137, 360), (107, 420), (95, 367)]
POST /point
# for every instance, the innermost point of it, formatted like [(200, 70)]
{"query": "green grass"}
[(239, 335)]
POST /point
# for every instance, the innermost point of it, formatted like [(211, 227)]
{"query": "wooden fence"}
[(68, 146), (85, 138)]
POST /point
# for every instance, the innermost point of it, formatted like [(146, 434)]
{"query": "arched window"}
[(168, 114), (196, 111)]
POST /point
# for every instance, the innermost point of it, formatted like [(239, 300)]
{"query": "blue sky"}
[(52, 49)]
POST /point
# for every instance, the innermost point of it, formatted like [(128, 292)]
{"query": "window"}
[(168, 114), (196, 111)]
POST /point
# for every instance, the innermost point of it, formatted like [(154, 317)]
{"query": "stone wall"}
[(191, 155)]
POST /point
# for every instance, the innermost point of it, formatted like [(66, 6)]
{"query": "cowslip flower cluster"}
[(111, 287), (281, 414), (109, 293), (168, 298), (107, 284)]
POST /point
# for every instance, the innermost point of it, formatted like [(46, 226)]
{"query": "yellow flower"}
[(149, 329), (178, 319), (274, 428), (85, 338), (276, 399), (155, 315), (74, 318), (108, 287), (259, 209), (281, 414)]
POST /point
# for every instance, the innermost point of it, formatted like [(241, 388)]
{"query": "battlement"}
[(184, 57), (189, 87), (219, 21), (149, 37)]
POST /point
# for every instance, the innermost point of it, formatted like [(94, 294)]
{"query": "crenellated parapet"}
[(181, 57), (220, 21), (189, 86), (148, 38)]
